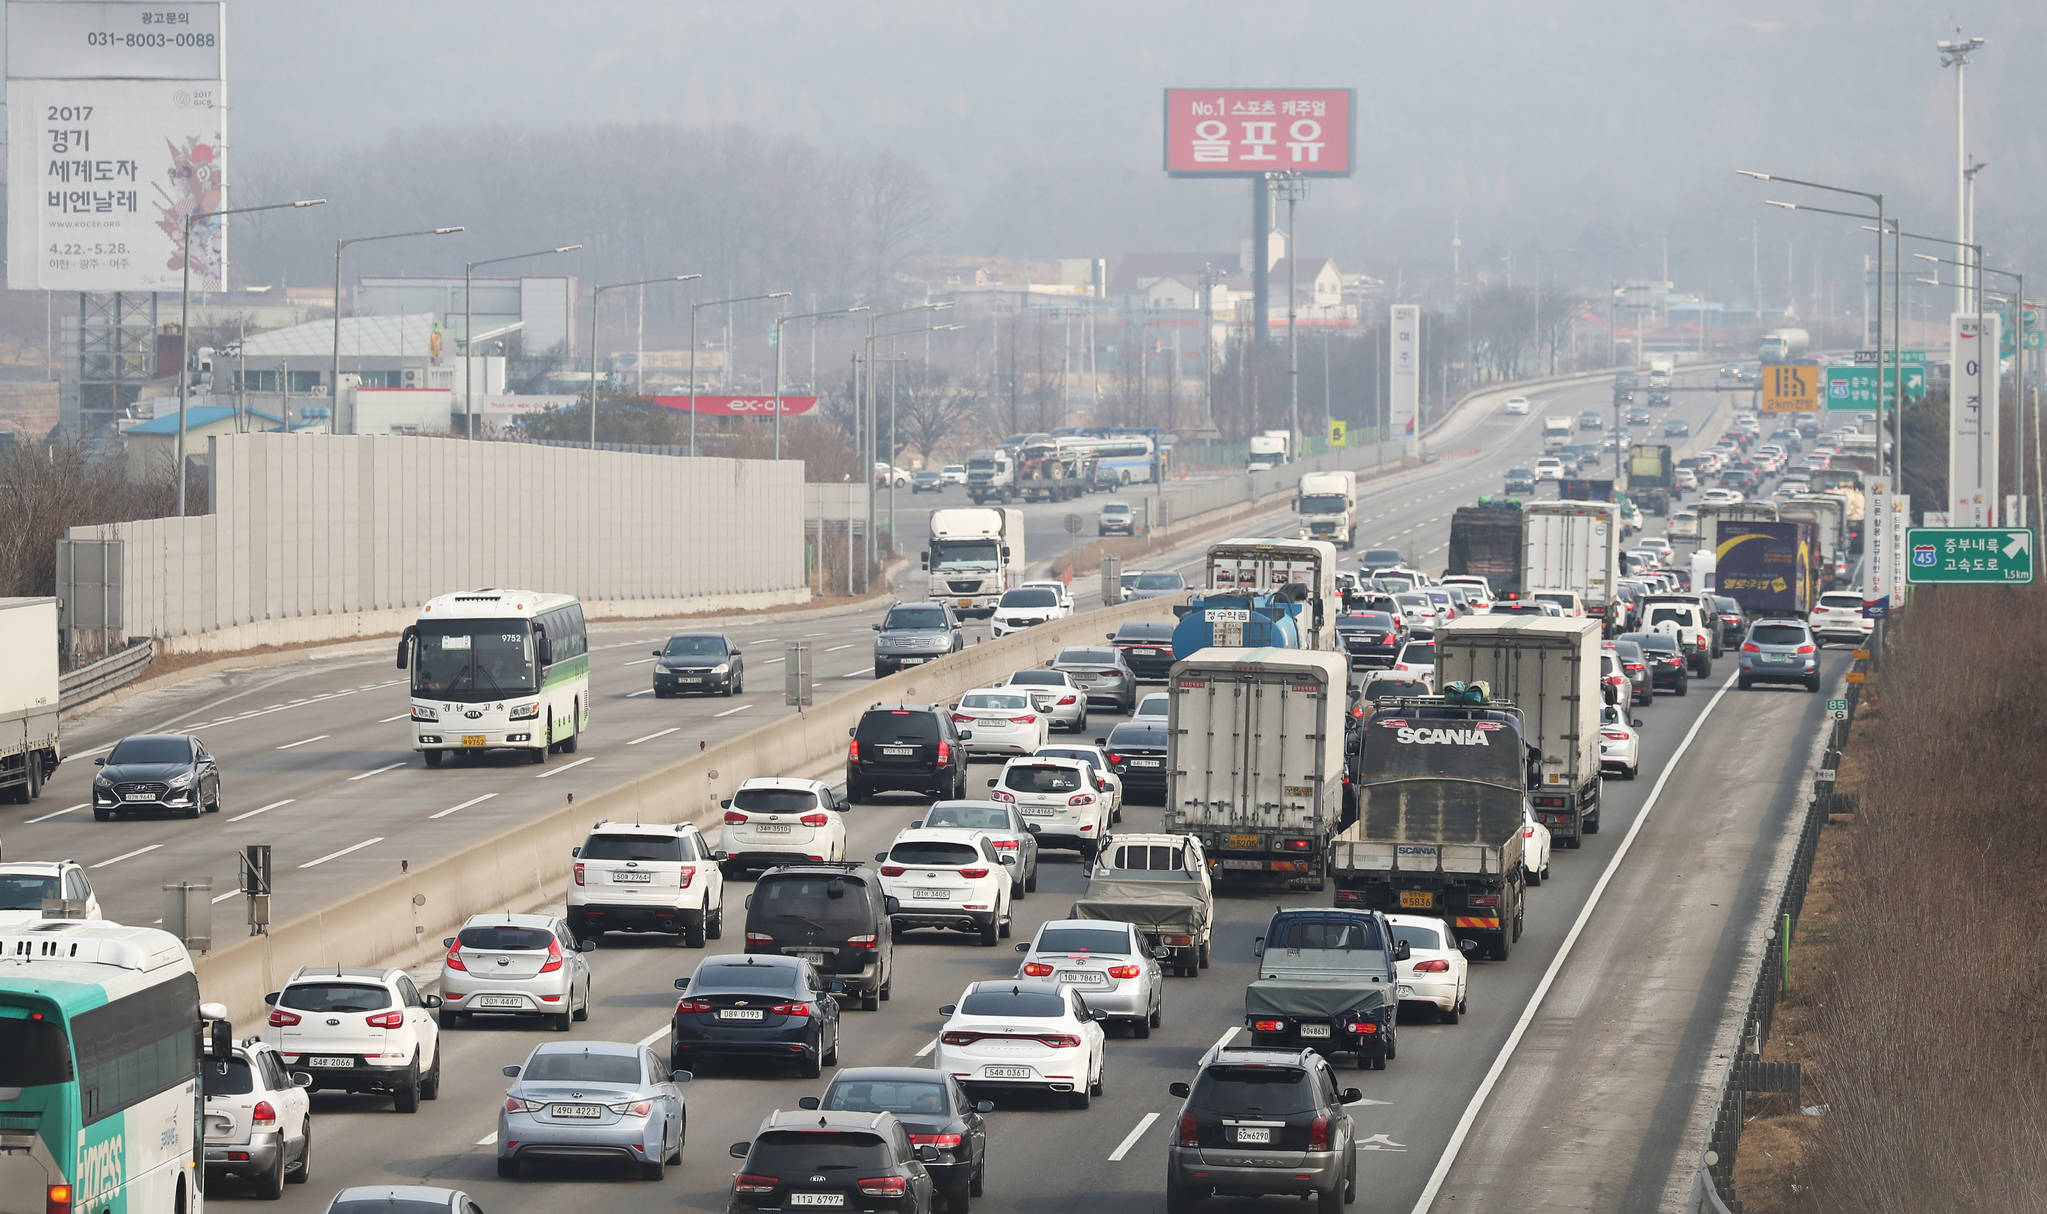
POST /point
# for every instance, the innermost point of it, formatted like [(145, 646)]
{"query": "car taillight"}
[(734, 817), (1064, 701), (1037, 969), (453, 960), (944, 753), (387, 1020), (1060, 1041), (974, 874), (759, 938), (861, 941), (891, 870), (263, 1112), (1267, 1026), (1486, 900), (747, 1182), (1124, 971), (1751, 647), (57, 1199), (852, 756), (684, 875), (1318, 1133), (996, 794), (1528, 832), (934, 1140), (1007, 844), (958, 1038), (883, 1186), (815, 820), (1634, 666), (799, 1010), (1023, 720), (281, 1019), (1432, 967), (1613, 736), (962, 718), (554, 957), (1114, 757), (685, 1006), (1190, 1131), (1081, 798), (1807, 648)]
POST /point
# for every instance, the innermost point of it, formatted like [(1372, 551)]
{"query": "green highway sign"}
[(1867, 358), (1996, 555), (1850, 388), (1915, 381)]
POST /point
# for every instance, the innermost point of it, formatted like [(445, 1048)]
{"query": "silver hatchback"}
[(515, 965)]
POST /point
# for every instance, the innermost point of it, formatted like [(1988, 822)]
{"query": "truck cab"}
[(1328, 507), (974, 556), (1327, 981), (991, 476)]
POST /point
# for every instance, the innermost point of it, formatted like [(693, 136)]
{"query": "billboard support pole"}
[(1261, 259)]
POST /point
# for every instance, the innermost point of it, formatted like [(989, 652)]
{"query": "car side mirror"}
[(586, 945), (1098, 1016), (809, 1102), (725, 804), (991, 782), (1108, 636), (99, 762), (447, 942), (1350, 1096), (1023, 946), (302, 1079), (1467, 946), (509, 1072), (877, 628), (984, 1106), (966, 735), (891, 906), (576, 851), (881, 855), (850, 733), (430, 1001), (948, 1009), (738, 1150), (1180, 1088), (1637, 722), (1163, 952), (1031, 827), (1401, 951), (927, 1153), (1101, 741), (657, 653), (837, 986), (271, 998), (682, 984)]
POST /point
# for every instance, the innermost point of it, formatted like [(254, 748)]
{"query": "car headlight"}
[(421, 712), (526, 712), (722, 668), (180, 780), (101, 781)]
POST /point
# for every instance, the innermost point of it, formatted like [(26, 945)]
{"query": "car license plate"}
[(1776, 657), (1005, 1072), (1037, 811), (1417, 899), (330, 1062), (1082, 978), (137, 796), (1253, 865), (1144, 762), (1242, 842), (912, 661), (1260, 1135), (632, 878), (472, 739), (740, 1013), (932, 895), (498, 1001), (577, 1110), (966, 602), (899, 752), (772, 828), (689, 678), (817, 1199), (1150, 653), (1314, 1030)]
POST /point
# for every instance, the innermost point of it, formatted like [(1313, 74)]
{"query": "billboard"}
[(1877, 539), (116, 126), (1972, 420), (1405, 376), (1251, 132), (740, 406)]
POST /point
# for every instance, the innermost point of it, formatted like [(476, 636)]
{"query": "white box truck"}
[(29, 690), (1573, 547), (1328, 506), (1549, 668), (1254, 765), (1270, 449), (974, 554)]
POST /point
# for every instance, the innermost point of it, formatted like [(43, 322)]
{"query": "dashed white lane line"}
[(1223, 1040), (264, 809), (220, 898), (58, 813), (1116, 1156), (129, 855), (770, 661), (836, 648), (387, 720), (659, 733), (641, 661), (336, 855), (928, 1047), (377, 771), (465, 805), (488, 1140), (646, 1041), (318, 737), (728, 712), (555, 771), (854, 673)]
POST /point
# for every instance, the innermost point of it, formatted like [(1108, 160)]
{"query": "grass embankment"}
[(1918, 1000)]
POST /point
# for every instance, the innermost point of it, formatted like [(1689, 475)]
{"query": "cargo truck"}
[(1328, 506), (1442, 795), (1549, 668), (1714, 516), (991, 476), (1270, 449), (1328, 981), (1661, 368), (1574, 547), (1255, 761), (1846, 485), (1649, 476), (1252, 566), (1766, 567), (1160, 884), (29, 691), (974, 554), (1051, 469), (1827, 514), (1486, 541)]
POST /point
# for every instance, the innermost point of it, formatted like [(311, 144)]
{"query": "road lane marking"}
[(660, 733), (1116, 1156), (555, 771), (644, 691), (854, 674), (488, 1140), (650, 1039), (928, 1047), (58, 813), (401, 716), (642, 661), (318, 737), (728, 712), (1427, 1200), (1224, 1040), (129, 855), (770, 661), (264, 810), (836, 648), (379, 771), (465, 805), (336, 855)]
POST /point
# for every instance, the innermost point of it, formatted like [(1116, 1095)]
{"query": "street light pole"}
[(866, 435), (695, 308), (469, 328), (1955, 53), (185, 316), (596, 296), (334, 380), (780, 323), (1292, 187)]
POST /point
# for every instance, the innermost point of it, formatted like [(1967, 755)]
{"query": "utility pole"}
[(1291, 188), (1955, 53)]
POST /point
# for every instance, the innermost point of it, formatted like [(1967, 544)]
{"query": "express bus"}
[(498, 670), (1126, 455), (101, 1036)]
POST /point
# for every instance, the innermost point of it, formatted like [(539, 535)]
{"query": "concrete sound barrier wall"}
[(327, 537), (389, 923)]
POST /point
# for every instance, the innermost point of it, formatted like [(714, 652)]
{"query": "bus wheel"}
[(433, 757), (540, 753), (575, 733)]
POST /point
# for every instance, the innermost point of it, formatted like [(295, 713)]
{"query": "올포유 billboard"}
[(1250, 132)]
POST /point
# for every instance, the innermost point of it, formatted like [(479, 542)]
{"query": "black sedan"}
[(936, 1111), (157, 772), (1147, 647), (1137, 753), (698, 661), (1371, 638), (926, 482), (1733, 621), (1100, 671), (1665, 658), (755, 1005)]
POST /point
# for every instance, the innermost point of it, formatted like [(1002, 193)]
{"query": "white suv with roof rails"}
[(26, 884), (358, 1029), (647, 877), (946, 876), (772, 820), (1066, 804)]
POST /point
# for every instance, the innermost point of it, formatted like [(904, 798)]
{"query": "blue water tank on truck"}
[(1237, 620)]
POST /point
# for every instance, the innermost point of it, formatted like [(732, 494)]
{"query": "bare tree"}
[(931, 407), (897, 210), (1502, 322)]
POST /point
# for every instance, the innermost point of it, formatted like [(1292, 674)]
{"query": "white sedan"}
[(1001, 722), (1620, 747), (1435, 971), (1005, 1034), (1152, 705), (1517, 406)]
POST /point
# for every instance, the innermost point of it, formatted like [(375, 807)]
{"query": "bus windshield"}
[(478, 659)]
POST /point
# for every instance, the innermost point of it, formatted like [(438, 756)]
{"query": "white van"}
[(1556, 431)]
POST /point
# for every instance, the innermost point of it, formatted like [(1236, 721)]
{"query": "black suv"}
[(1137, 754), (1259, 1121), (933, 1107), (848, 1161), (1147, 647), (906, 748), (834, 914)]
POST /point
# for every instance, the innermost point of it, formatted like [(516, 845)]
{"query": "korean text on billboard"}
[(1245, 132)]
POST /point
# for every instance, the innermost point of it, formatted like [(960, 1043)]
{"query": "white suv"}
[(1697, 630), (259, 1123), (770, 821), (647, 877), (1836, 617), (946, 877), (359, 1030), (25, 884), (1064, 802)]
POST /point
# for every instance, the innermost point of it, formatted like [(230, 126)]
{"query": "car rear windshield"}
[(915, 1096), (1147, 736), (1089, 757), (1029, 598), (1419, 651), (1149, 857), (969, 817), (1160, 581), (632, 847), (151, 750), (1005, 1001), (1416, 935), (1365, 619), (33, 1053), (1038, 678), (1777, 634), (774, 800), (915, 617), (897, 725), (933, 853), (1045, 778), (1853, 601), (388, 1206), (1087, 657), (779, 1153), (1654, 642), (813, 896), (1115, 508), (1083, 940), (504, 938), (25, 891), (993, 701), (739, 976), (1380, 556), (227, 1077), (1145, 632), (1677, 615), (1255, 1088), (581, 1067), (1346, 934), (334, 997), (1387, 689)]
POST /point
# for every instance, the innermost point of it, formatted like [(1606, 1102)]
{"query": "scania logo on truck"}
[(1443, 737)]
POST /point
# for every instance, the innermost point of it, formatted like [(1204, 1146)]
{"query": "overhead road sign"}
[(1976, 555), (1867, 358), (1791, 388)]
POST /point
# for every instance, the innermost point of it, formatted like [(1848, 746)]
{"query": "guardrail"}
[(1747, 1072), (95, 679)]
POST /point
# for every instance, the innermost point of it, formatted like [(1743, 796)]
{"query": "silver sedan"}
[(1013, 837), (1107, 963), (1054, 693), (593, 1100)]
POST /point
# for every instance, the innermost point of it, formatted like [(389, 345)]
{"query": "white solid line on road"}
[(129, 855), (1116, 1156), (769, 640), (379, 771), (660, 733), (336, 855), (836, 648), (488, 1140), (318, 737), (651, 1038), (1223, 1040), (401, 716), (644, 691), (233, 893), (641, 661), (555, 771), (465, 805), (770, 661), (728, 712), (97, 750), (928, 1047), (1492, 1076), (264, 810), (58, 813), (854, 673)]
